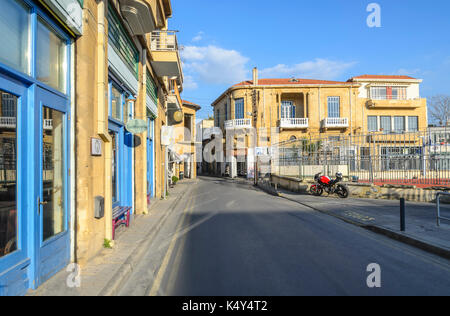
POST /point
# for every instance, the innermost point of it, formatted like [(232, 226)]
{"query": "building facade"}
[(305, 109), (85, 89), (183, 160)]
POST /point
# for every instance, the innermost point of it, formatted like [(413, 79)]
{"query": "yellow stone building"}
[(183, 154), (306, 108), (127, 68)]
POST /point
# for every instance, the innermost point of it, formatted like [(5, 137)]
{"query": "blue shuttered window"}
[(226, 111), (239, 109), (287, 109), (386, 124), (334, 107), (399, 124), (413, 123), (372, 124)]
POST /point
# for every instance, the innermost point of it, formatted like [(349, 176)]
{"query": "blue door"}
[(15, 261), (34, 107), (120, 111), (150, 162), (52, 233)]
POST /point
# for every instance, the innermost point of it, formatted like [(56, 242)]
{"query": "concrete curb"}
[(402, 237), (266, 187), (116, 281)]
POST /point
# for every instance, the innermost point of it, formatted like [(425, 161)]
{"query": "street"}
[(234, 240)]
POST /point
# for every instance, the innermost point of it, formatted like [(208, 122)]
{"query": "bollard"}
[(402, 215)]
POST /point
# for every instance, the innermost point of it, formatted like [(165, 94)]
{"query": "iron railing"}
[(419, 158), (163, 41)]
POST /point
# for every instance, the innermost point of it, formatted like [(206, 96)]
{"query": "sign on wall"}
[(136, 126), (96, 147)]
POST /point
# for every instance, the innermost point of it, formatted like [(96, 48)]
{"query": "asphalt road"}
[(234, 240)]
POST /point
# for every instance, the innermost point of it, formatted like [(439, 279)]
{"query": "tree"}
[(439, 109)]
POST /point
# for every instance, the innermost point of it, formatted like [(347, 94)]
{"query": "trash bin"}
[(181, 175)]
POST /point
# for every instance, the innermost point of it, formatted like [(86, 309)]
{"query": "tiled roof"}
[(268, 82), (191, 104), (382, 77)]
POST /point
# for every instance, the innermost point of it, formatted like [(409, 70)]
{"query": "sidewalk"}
[(383, 217), (104, 274)]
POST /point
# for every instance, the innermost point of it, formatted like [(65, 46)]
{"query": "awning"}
[(174, 157)]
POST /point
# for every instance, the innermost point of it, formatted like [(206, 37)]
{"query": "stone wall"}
[(358, 190)]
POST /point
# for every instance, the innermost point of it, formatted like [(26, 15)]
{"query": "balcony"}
[(8, 122), (139, 16), (335, 122), (237, 124), (165, 54), (396, 103), (294, 123)]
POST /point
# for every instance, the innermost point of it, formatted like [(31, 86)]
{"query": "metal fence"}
[(418, 158)]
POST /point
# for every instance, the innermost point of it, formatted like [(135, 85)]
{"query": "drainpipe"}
[(101, 109), (102, 128)]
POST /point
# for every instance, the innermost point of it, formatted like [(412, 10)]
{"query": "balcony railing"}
[(10, 122), (48, 124), (239, 123), (335, 122), (7, 122), (163, 41), (294, 123)]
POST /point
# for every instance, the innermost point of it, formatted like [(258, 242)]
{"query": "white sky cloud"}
[(214, 65), (407, 72), (189, 83), (198, 37), (316, 69)]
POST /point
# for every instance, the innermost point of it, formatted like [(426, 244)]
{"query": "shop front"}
[(123, 62), (35, 105)]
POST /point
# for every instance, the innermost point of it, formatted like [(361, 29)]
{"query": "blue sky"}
[(329, 39)]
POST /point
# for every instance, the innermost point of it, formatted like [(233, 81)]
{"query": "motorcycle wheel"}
[(342, 191), (316, 190)]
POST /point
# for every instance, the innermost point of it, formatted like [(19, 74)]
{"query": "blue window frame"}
[(239, 109), (334, 107)]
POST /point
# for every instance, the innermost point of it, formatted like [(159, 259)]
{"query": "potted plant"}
[(175, 180)]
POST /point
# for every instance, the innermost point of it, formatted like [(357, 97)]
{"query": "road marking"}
[(162, 270)]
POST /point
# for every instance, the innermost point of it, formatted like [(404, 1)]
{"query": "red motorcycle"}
[(331, 186)]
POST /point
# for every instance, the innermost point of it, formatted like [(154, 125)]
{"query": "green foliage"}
[(311, 147), (175, 179), (107, 244)]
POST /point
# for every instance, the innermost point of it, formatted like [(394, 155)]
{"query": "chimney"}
[(255, 76)]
